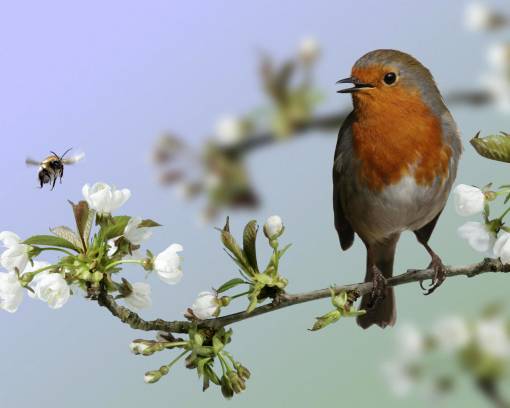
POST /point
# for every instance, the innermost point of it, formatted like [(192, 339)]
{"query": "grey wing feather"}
[(342, 225)]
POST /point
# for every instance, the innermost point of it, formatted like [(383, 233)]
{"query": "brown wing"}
[(343, 227)]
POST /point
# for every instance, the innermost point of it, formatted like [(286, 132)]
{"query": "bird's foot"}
[(379, 287), (439, 275)]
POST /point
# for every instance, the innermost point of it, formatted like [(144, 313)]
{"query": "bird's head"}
[(386, 78)]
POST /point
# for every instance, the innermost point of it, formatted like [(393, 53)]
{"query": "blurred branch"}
[(333, 121), (325, 123), (285, 300), (491, 391)]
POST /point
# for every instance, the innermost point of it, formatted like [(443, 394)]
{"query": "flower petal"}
[(9, 238)]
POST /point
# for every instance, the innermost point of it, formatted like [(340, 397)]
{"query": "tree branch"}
[(412, 275)]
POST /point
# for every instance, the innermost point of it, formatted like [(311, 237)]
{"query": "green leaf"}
[(50, 240), (249, 241), (253, 303), (285, 249), (254, 297), (326, 320), (69, 235), (493, 147), (201, 365), (231, 244), (230, 284), (354, 312), (115, 228), (148, 224), (211, 374)]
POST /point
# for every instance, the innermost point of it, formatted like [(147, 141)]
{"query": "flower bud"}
[(148, 264), (97, 276), (490, 195), (225, 301), (243, 372), (149, 351), (85, 274), (237, 382), (139, 346), (502, 247), (104, 199), (167, 264), (230, 130), (152, 376), (309, 50), (198, 339), (206, 306), (469, 200), (273, 227), (226, 388), (339, 300)]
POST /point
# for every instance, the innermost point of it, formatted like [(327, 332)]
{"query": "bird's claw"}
[(379, 285), (439, 275)]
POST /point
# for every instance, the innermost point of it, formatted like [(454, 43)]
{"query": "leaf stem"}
[(224, 362), (240, 294), (177, 344), (504, 214), (176, 359)]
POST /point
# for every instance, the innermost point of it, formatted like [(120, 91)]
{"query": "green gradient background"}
[(108, 79)]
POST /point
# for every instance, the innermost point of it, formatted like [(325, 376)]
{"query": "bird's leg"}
[(378, 281), (439, 270)]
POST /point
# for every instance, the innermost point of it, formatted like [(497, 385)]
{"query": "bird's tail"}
[(385, 312)]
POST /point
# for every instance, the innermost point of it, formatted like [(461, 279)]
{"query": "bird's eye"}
[(390, 78)]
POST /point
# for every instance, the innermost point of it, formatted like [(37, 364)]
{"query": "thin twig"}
[(412, 275)]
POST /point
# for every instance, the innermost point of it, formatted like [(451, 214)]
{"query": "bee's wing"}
[(74, 159), (32, 162)]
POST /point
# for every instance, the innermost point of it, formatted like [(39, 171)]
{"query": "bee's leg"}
[(61, 174), (54, 181)]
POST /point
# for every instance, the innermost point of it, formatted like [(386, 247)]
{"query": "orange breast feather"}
[(398, 137)]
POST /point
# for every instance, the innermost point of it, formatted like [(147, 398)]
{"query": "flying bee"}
[(52, 167)]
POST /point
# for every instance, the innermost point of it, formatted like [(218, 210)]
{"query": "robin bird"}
[(395, 162)]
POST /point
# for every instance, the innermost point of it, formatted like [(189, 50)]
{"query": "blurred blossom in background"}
[(236, 105), (432, 363)]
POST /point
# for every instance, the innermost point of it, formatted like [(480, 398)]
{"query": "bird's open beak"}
[(358, 85)]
